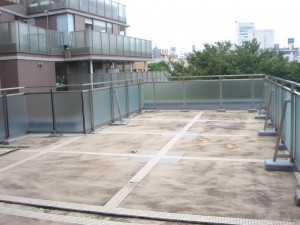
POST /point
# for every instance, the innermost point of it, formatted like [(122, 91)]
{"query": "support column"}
[(146, 66)]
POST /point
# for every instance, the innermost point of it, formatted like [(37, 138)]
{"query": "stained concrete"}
[(219, 169)]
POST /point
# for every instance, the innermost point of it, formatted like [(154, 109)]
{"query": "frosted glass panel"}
[(287, 122), (259, 88), (297, 129), (237, 89), (102, 106), (68, 111), (122, 102), (113, 44), (133, 98), (2, 126), (202, 90), (169, 92), (105, 43), (147, 92), (17, 114), (39, 113), (87, 111)]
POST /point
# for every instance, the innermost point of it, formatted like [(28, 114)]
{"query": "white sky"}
[(182, 23)]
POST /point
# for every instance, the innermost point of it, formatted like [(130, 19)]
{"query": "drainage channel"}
[(126, 213)]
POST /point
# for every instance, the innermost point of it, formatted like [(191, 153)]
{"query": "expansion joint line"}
[(52, 148), (129, 187)]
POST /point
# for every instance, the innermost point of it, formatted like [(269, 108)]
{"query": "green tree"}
[(223, 58), (158, 66)]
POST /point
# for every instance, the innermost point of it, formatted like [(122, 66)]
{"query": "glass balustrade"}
[(106, 8), (20, 37)]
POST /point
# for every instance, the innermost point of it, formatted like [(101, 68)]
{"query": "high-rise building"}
[(242, 32), (41, 40), (264, 37)]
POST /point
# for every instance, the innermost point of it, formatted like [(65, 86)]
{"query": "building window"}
[(122, 30), (99, 25), (109, 28)]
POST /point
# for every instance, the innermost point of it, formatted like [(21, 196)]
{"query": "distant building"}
[(156, 53), (164, 52), (172, 51), (248, 32), (242, 32), (264, 37), (291, 52)]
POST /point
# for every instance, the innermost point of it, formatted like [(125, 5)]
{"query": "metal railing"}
[(103, 8), (21, 37), (96, 42), (284, 113)]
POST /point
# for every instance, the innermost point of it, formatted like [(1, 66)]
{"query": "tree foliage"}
[(224, 58)]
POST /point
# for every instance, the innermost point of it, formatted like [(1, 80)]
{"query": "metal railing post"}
[(154, 93), (53, 112), (184, 94), (112, 103), (83, 113), (5, 115), (127, 98), (140, 94), (292, 147)]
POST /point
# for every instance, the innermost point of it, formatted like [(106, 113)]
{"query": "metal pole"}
[(92, 95), (154, 93), (292, 149), (184, 94), (140, 95), (276, 106), (127, 97), (83, 113), (112, 103), (252, 92), (118, 105), (53, 112), (5, 115), (221, 93)]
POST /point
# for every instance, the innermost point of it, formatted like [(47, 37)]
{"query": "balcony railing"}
[(103, 8), (9, 2), (96, 42), (21, 37)]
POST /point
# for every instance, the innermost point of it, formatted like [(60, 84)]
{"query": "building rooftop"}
[(163, 167)]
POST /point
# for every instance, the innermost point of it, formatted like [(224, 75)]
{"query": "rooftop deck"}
[(163, 167)]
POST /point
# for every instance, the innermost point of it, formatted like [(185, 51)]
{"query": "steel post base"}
[(55, 135), (260, 117), (297, 197), (269, 133), (280, 165), (118, 123), (270, 124), (8, 141), (252, 110), (282, 147), (221, 110)]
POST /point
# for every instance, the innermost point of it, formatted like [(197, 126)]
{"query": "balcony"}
[(99, 43), (21, 37), (102, 8), (9, 2)]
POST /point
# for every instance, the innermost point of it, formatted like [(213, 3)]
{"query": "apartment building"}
[(44, 41)]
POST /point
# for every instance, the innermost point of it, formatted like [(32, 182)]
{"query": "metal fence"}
[(284, 112)]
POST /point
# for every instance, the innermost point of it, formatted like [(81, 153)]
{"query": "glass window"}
[(99, 25), (122, 15), (83, 5), (100, 7), (115, 10), (92, 6), (108, 12), (109, 28), (122, 30)]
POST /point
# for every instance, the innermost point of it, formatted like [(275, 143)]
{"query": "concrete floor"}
[(201, 166)]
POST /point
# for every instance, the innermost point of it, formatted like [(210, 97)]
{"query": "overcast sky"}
[(182, 23)]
